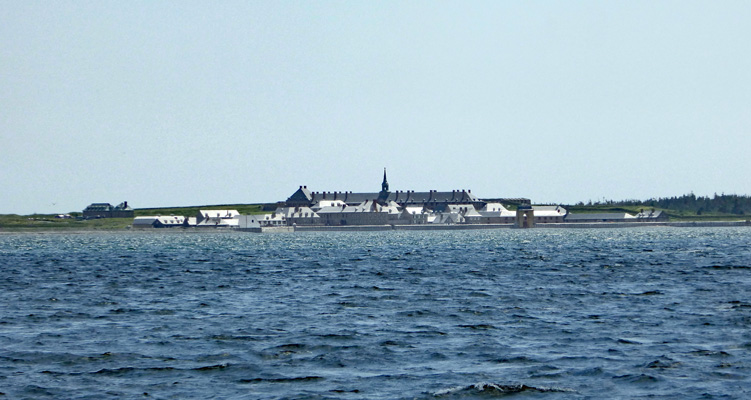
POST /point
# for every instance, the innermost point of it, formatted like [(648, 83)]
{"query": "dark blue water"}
[(549, 314)]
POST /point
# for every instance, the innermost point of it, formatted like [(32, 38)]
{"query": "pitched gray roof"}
[(99, 207), (650, 214), (599, 217), (408, 197), (301, 196)]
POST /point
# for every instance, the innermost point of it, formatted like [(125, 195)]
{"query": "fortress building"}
[(307, 209), (107, 210), (432, 199)]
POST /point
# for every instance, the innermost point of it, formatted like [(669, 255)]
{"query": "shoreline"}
[(381, 228), (427, 227)]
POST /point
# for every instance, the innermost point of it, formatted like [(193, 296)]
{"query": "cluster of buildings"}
[(308, 208), (203, 219)]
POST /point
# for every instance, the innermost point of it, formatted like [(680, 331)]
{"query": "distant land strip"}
[(681, 210)]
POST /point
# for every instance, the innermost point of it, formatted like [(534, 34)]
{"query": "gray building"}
[(651, 216), (107, 210), (159, 221), (365, 213), (432, 199)]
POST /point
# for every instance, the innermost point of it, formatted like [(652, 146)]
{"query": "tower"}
[(383, 195), (385, 183)]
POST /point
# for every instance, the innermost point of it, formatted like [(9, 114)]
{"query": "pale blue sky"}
[(192, 103)]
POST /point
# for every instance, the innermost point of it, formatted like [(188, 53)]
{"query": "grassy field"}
[(244, 209), (35, 222), (38, 222)]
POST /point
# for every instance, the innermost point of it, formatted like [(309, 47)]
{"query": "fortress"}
[(409, 207), (432, 199)]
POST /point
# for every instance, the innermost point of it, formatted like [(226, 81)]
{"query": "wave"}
[(128, 370), (282, 380), (663, 363), (494, 389), (481, 327), (637, 378), (729, 267)]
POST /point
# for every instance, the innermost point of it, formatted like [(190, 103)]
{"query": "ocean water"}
[(532, 314)]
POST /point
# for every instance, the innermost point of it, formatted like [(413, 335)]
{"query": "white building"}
[(447, 218), (217, 219), (415, 215), (297, 216), (274, 219), (467, 213), (327, 203), (496, 213), (601, 217), (549, 214), (369, 212)]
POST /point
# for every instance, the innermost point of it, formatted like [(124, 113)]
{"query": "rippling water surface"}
[(549, 314)]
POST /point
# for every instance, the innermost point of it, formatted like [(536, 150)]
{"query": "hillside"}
[(680, 208)]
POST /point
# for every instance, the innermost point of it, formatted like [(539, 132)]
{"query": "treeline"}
[(718, 204)]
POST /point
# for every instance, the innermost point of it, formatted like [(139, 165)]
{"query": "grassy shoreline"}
[(50, 222)]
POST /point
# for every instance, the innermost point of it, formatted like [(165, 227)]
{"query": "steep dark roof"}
[(347, 197), (433, 196), (301, 196), (99, 207), (650, 214), (123, 207), (407, 197)]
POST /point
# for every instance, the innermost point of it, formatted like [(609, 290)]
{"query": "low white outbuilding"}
[(159, 221), (217, 219)]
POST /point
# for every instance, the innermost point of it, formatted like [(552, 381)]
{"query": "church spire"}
[(383, 195)]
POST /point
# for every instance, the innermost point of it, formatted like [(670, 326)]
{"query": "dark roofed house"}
[(97, 210), (107, 210)]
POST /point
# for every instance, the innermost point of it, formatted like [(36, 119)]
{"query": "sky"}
[(181, 103)]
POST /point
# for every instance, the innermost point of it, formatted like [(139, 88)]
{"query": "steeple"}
[(383, 195), (385, 183)]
